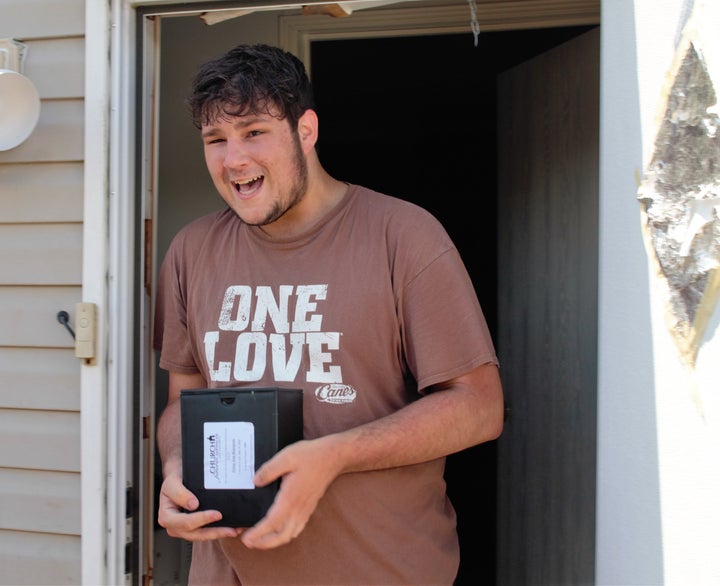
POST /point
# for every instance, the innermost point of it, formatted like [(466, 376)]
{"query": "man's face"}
[(258, 165)]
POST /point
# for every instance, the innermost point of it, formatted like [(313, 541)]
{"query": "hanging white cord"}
[(474, 25)]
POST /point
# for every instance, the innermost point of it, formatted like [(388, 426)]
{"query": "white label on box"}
[(229, 454)]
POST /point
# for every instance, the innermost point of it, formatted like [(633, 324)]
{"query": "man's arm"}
[(174, 497), (460, 413), (169, 440)]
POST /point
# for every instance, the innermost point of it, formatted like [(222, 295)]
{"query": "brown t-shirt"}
[(363, 312)]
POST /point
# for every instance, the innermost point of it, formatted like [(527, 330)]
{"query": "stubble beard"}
[(297, 190)]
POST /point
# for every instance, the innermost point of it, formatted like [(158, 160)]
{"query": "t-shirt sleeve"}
[(170, 331), (445, 333)]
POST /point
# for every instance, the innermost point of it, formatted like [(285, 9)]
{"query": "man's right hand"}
[(173, 515)]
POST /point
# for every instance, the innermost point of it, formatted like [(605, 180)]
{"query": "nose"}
[(236, 155)]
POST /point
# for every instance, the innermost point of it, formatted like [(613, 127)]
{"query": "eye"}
[(255, 133)]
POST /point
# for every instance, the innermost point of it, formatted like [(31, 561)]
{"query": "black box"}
[(226, 435)]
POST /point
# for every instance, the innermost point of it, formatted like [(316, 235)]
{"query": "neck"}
[(323, 194)]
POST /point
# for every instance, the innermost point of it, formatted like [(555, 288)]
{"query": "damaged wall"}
[(659, 348), (680, 196)]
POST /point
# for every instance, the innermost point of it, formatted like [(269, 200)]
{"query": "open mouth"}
[(248, 186)]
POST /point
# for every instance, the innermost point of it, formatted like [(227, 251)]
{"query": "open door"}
[(548, 190)]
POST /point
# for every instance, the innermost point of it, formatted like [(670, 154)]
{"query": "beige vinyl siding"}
[(39, 558), (26, 259), (51, 193), (42, 378), (41, 195)]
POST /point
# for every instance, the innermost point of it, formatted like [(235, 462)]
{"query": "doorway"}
[(414, 117)]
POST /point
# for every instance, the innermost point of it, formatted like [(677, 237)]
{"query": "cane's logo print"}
[(335, 393)]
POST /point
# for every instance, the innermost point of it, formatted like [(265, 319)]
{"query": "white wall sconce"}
[(19, 100)]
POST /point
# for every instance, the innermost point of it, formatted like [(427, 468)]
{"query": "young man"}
[(304, 281)]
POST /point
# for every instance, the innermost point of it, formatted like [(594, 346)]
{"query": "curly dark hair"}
[(251, 79)]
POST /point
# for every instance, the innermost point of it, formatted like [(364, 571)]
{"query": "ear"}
[(308, 130)]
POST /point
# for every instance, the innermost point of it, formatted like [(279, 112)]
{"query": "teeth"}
[(246, 181)]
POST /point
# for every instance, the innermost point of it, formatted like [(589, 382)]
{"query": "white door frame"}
[(93, 378), (111, 152)]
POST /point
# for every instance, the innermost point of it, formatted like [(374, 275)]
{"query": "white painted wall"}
[(658, 509)]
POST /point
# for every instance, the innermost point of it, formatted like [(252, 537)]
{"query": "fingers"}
[(174, 497), (192, 526), (273, 469), (286, 518), (304, 481), (270, 532), (175, 492)]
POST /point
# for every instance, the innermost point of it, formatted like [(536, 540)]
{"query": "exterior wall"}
[(658, 417), (687, 397), (41, 201)]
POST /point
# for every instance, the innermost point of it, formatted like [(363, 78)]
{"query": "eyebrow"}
[(245, 121), (242, 122)]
